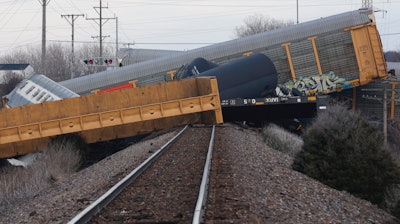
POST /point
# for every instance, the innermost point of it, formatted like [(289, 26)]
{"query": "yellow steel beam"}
[(246, 54), (108, 118), (314, 46), (111, 115), (290, 61), (171, 74)]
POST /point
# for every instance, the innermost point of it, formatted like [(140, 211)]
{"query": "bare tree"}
[(57, 63), (30, 55), (259, 23), (10, 80), (58, 67), (392, 56)]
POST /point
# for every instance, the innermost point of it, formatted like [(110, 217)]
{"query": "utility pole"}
[(116, 38), (44, 3), (101, 22), (297, 10), (73, 17)]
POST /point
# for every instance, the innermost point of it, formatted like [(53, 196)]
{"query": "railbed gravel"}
[(263, 182)]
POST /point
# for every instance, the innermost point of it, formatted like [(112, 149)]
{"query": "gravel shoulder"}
[(66, 198), (264, 189), (263, 181)]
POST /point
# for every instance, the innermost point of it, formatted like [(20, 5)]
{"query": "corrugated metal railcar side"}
[(347, 44)]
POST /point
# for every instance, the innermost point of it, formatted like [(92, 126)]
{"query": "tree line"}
[(58, 60)]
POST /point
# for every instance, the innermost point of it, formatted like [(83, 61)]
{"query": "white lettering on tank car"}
[(249, 101), (272, 100)]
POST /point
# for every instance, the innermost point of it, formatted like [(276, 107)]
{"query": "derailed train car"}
[(344, 47), (260, 79), (346, 44), (110, 115), (255, 97), (36, 88), (311, 59)]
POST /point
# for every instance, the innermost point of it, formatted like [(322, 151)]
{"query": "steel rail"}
[(94, 208), (202, 198)]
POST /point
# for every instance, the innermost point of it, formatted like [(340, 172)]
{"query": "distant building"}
[(24, 70)]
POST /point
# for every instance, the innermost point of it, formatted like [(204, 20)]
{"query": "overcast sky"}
[(168, 24)]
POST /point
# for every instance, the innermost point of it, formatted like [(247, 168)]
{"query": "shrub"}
[(282, 140), (62, 157), (392, 194), (392, 197), (342, 150), (69, 150), (393, 141), (65, 154)]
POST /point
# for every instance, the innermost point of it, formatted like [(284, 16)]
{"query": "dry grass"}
[(59, 160), (282, 140)]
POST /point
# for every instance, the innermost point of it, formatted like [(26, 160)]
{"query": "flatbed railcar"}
[(267, 109)]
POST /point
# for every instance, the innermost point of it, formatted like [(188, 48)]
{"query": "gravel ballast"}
[(261, 180)]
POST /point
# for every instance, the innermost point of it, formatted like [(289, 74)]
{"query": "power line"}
[(101, 23), (126, 43), (12, 14), (389, 34), (71, 20), (25, 28), (80, 11)]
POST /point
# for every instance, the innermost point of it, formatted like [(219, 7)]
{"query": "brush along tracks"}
[(165, 188)]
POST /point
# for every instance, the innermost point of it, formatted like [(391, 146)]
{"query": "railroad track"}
[(169, 187)]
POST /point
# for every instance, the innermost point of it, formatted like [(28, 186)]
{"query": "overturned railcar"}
[(249, 77), (347, 44), (34, 89), (110, 115)]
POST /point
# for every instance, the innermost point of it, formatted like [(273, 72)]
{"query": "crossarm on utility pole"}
[(101, 22), (71, 20)]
